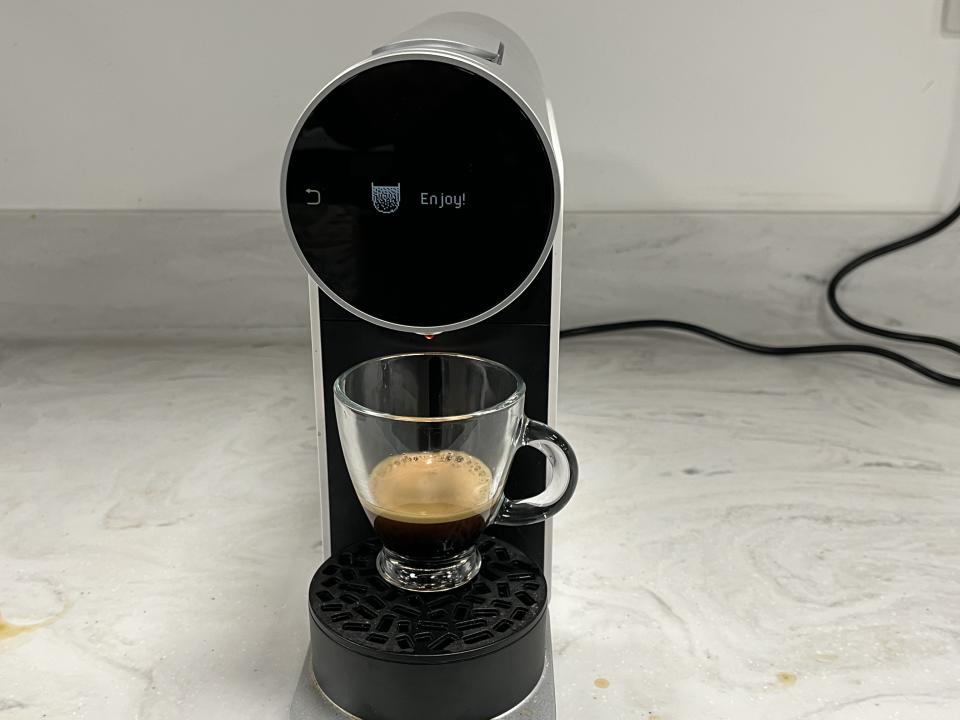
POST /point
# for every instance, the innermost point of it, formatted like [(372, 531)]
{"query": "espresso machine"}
[(422, 190)]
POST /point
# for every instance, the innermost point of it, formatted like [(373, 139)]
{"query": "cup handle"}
[(561, 483)]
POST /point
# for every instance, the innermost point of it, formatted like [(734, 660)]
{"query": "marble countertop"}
[(753, 538)]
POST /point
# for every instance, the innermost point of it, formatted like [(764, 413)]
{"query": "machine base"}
[(309, 702)]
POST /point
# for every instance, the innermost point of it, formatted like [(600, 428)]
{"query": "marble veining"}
[(214, 274), (785, 538), (158, 519), (753, 538)]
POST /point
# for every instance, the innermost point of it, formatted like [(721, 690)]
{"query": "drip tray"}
[(473, 653)]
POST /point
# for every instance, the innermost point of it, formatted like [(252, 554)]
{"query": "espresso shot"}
[(430, 505), (429, 508)]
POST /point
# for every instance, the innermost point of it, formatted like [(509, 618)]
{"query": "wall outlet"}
[(951, 17)]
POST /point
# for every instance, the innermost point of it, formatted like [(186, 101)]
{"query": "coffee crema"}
[(430, 504)]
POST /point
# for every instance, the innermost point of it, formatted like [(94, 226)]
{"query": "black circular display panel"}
[(420, 193)]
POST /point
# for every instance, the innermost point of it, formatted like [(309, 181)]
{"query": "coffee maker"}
[(422, 190)]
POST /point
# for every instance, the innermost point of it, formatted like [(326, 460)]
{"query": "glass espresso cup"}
[(428, 439)]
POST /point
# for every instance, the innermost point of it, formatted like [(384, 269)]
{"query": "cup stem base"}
[(421, 576)]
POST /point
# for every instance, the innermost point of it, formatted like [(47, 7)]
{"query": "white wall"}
[(699, 104)]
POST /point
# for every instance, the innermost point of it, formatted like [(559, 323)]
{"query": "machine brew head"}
[(422, 187)]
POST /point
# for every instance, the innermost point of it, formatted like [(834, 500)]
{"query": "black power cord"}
[(837, 310)]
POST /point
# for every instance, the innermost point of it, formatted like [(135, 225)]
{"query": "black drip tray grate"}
[(350, 599)]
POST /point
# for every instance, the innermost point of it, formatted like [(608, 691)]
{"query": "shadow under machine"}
[(422, 191)]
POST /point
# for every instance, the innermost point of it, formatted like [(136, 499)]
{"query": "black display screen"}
[(420, 193)]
